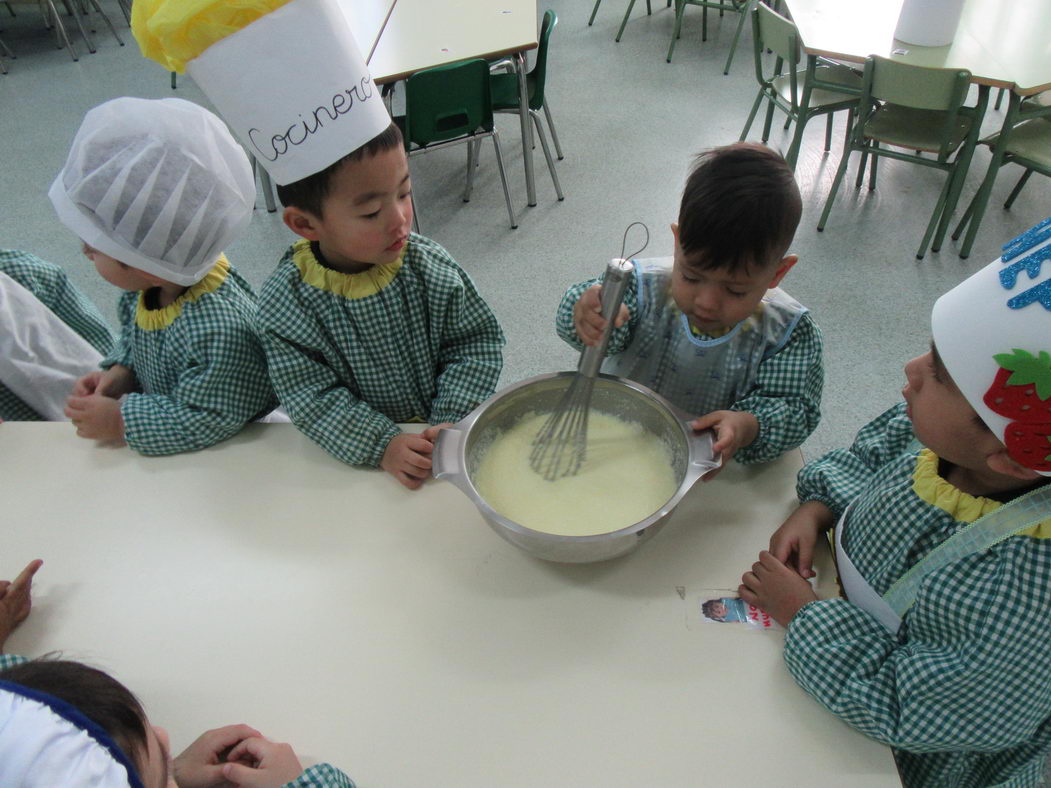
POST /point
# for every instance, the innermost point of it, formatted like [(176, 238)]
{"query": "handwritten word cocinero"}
[(300, 131)]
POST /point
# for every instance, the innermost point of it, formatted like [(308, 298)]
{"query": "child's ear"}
[(1002, 462), (301, 222), (783, 268)]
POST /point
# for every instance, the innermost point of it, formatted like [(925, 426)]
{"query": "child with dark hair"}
[(941, 514), (67, 724), (366, 324), (709, 328)]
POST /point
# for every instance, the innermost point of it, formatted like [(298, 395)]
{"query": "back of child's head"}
[(67, 717), (993, 335), (309, 193), (159, 185), (740, 208)]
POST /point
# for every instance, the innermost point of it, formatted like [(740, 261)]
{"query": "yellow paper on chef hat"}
[(173, 32), (287, 76)]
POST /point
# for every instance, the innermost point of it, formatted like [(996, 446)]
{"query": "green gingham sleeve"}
[(321, 775), (619, 338), (10, 660), (50, 284), (969, 675), (213, 397), (838, 477), (470, 358), (786, 395), (121, 352)]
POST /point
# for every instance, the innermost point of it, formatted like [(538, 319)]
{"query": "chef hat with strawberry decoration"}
[(287, 76), (993, 333)]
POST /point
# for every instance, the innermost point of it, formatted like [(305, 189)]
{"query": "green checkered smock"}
[(768, 365), (321, 775), (198, 362), (963, 691), (50, 284), (352, 355)]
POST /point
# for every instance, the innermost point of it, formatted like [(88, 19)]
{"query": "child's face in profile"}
[(367, 214), (116, 272), (942, 418), (715, 299)]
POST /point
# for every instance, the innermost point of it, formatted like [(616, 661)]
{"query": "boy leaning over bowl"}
[(365, 324), (710, 329), (942, 648)]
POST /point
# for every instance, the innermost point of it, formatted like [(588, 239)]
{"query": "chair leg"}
[(1017, 189), (60, 30), (999, 98), (547, 153), (872, 166), (743, 13), (503, 179), (828, 132), (554, 134), (936, 217), (268, 190), (83, 32), (472, 162), (860, 178), (797, 142), (624, 21), (105, 19), (680, 7), (840, 172), (593, 12), (125, 8), (751, 115), (769, 120), (415, 214)]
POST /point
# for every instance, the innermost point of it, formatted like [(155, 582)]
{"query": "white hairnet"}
[(159, 185)]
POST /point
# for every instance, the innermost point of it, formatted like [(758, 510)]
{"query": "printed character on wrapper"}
[(65, 724), (156, 190), (942, 518), (51, 335), (709, 328), (366, 325)]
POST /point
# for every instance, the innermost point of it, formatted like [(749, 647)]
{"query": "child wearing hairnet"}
[(51, 334), (156, 190)]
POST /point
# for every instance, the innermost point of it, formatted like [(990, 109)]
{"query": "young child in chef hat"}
[(365, 324), (156, 190), (944, 551), (64, 725)]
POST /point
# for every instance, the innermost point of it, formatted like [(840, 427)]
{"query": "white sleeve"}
[(40, 356)]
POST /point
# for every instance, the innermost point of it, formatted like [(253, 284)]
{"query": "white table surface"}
[(1002, 45), (394, 634), (367, 20)]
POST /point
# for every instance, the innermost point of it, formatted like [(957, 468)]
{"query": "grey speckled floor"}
[(629, 123)]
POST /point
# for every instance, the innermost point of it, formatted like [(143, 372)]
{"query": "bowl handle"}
[(703, 441), (445, 462)]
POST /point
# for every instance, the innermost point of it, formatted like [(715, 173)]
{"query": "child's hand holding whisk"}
[(587, 316)]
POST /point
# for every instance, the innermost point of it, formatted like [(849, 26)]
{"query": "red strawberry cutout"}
[(1029, 444), (1022, 388)]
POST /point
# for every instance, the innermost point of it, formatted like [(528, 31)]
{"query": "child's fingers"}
[(25, 577), (806, 560), (622, 316)]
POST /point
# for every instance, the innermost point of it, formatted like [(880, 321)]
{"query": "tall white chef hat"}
[(288, 77), (159, 185), (45, 742), (993, 332)]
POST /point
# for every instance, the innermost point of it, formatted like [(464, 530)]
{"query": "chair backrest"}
[(539, 72), (777, 34), (918, 87), (446, 102)]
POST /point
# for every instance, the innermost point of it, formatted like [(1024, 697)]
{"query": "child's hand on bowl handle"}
[(733, 430)]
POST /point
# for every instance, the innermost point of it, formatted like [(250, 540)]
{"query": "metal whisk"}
[(560, 447)]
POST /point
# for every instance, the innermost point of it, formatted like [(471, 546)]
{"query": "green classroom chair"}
[(450, 105), (737, 6), (822, 88), (917, 110), (504, 89), (1028, 145)]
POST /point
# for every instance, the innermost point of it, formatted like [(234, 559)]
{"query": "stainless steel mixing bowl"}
[(459, 449)]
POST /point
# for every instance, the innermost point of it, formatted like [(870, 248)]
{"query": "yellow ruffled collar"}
[(157, 319), (350, 286)]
